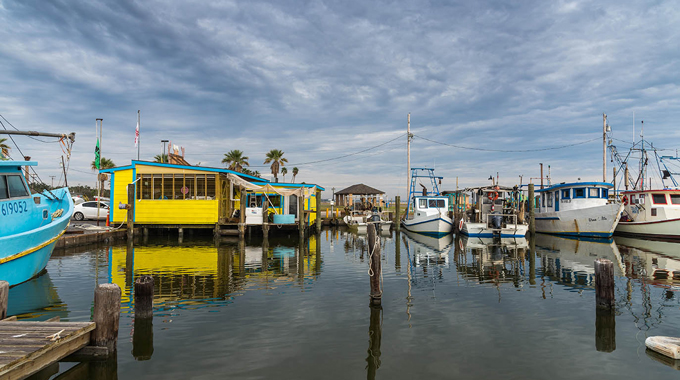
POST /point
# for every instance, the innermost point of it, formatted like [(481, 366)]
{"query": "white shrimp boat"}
[(651, 213), (493, 213), (428, 213), (578, 209)]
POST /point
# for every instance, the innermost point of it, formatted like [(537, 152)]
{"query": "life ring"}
[(460, 225), (625, 200), (493, 196)]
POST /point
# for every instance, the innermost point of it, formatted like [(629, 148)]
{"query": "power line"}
[(507, 151)]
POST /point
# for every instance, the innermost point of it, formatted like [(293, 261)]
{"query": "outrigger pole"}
[(71, 136)]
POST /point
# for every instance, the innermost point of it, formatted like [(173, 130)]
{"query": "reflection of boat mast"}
[(409, 298)]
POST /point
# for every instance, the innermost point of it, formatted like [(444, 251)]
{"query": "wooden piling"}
[(131, 211), (318, 210), (4, 298), (605, 330), (530, 204), (106, 316), (375, 264), (604, 284), (374, 341), (301, 214), (242, 215), (144, 297), (397, 213)]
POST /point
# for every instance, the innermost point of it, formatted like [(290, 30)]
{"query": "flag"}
[(96, 155), (137, 134)]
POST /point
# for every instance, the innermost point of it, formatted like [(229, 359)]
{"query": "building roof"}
[(360, 189)]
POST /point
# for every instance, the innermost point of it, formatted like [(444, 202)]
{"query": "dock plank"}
[(26, 348)]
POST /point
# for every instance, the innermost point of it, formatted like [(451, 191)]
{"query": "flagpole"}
[(99, 182), (138, 136)]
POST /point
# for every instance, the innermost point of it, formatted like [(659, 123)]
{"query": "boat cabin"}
[(573, 196), (651, 205), (430, 204)]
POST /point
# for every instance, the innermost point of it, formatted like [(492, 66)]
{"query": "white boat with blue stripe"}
[(578, 209), (30, 224), (427, 213)]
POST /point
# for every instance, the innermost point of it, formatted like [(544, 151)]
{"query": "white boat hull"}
[(599, 221), (669, 229), (433, 225), (482, 230)]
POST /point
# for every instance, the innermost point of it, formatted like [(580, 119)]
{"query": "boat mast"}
[(71, 136), (604, 147)]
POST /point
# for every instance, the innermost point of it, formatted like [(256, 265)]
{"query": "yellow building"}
[(169, 195)]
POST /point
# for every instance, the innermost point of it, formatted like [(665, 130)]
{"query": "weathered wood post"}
[(318, 210), (375, 264), (265, 217), (397, 213), (530, 204), (4, 299), (604, 284), (301, 214), (242, 214), (144, 297), (142, 338), (131, 211), (605, 318), (374, 341), (106, 316)]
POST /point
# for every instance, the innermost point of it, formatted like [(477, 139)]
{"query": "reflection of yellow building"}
[(167, 194), (196, 274)]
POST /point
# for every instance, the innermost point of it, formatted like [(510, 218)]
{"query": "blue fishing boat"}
[(427, 213), (30, 224)]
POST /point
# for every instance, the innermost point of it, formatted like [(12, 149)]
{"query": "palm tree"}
[(104, 163), (295, 172), (160, 158), (284, 171), (4, 148), (275, 156), (236, 160)]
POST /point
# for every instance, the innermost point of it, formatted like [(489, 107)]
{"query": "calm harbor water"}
[(467, 309)]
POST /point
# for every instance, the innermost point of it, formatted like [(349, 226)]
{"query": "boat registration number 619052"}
[(10, 208)]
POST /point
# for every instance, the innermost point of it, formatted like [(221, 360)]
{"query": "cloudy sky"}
[(323, 80)]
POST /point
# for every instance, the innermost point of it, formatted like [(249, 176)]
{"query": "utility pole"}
[(99, 182), (604, 147), (408, 152), (52, 176)]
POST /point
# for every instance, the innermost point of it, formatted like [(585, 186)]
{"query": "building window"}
[(200, 186), (675, 199), (659, 199), (566, 194), (190, 186), (593, 192), (210, 191), (580, 193)]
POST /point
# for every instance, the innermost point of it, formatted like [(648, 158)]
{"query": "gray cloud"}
[(321, 79)]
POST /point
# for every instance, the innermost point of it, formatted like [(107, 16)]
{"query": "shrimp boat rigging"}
[(30, 223), (652, 199)]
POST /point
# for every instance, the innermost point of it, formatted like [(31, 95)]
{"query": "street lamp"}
[(332, 202), (163, 143)]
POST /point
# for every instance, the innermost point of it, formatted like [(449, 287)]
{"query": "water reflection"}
[(489, 260), (36, 299), (374, 341), (202, 274)]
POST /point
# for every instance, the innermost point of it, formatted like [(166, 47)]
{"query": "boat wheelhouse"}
[(651, 213), (577, 209), (427, 213), (494, 211)]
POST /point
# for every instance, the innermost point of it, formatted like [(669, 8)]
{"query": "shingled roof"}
[(360, 189)]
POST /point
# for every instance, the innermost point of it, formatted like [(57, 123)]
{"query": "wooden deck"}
[(28, 347)]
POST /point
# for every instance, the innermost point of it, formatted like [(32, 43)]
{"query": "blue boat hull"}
[(23, 255)]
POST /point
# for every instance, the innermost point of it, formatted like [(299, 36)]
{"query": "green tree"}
[(104, 163), (4, 148), (275, 156), (160, 158), (295, 173), (284, 171), (236, 160)]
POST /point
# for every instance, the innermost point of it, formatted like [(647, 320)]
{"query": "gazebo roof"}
[(360, 189)]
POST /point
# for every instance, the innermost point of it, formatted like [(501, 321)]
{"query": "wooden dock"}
[(28, 347)]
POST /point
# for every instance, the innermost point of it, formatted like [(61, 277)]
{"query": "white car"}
[(88, 210)]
